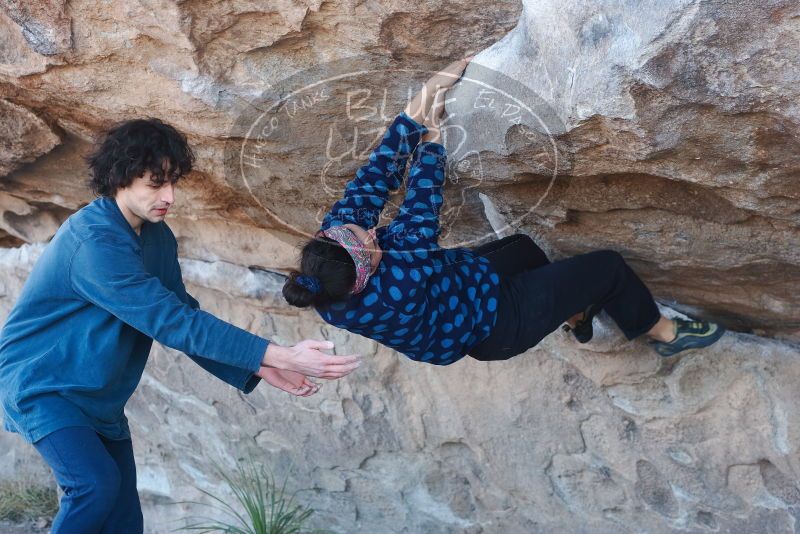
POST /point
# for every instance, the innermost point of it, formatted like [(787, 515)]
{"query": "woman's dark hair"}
[(331, 264), (130, 148)]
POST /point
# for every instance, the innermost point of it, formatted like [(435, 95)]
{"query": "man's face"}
[(145, 199)]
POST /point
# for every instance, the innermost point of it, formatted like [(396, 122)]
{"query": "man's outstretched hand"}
[(289, 381), (308, 359)]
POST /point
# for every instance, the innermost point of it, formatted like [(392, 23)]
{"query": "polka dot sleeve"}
[(365, 195), (415, 229)]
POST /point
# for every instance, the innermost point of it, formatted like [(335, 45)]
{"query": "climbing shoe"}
[(583, 328), (689, 335)]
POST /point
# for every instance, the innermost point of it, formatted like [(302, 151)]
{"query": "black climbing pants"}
[(537, 296)]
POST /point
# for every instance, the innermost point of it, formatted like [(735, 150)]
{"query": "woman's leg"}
[(539, 300), (88, 475), (567, 287), (126, 515), (513, 254)]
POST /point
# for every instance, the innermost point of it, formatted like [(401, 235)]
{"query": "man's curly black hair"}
[(130, 148)]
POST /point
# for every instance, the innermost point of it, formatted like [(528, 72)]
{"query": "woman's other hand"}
[(434, 118), (448, 76), (420, 105)]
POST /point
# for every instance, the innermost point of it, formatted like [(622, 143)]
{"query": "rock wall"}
[(598, 438), (675, 131), (665, 130)]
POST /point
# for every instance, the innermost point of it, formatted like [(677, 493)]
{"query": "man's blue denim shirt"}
[(77, 340)]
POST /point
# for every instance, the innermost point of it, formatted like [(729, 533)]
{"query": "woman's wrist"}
[(433, 136), (419, 106), (416, 110), (419, 124)]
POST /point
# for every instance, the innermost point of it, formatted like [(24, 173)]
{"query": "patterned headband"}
[(354, 246)]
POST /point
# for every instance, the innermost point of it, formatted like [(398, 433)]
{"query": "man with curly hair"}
[(77, 340)]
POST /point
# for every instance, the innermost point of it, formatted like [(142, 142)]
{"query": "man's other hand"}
[(289, 381)]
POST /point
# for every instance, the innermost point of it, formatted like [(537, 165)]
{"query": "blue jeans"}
[(98, 476)]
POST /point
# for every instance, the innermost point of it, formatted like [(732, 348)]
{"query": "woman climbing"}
[(396, 285)]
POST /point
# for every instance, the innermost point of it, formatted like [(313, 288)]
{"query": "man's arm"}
[(365, 195), (237, 377), (111, 275)]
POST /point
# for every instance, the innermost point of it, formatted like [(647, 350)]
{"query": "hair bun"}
[(296, 293), (312, 283)]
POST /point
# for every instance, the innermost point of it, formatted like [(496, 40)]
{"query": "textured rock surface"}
[(665, 130), (599, 438), (676, 127)]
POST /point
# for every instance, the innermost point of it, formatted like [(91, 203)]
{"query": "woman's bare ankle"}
[(663, 330), (572, 321)]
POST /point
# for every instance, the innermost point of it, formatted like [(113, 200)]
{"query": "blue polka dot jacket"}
[(430, 303)]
